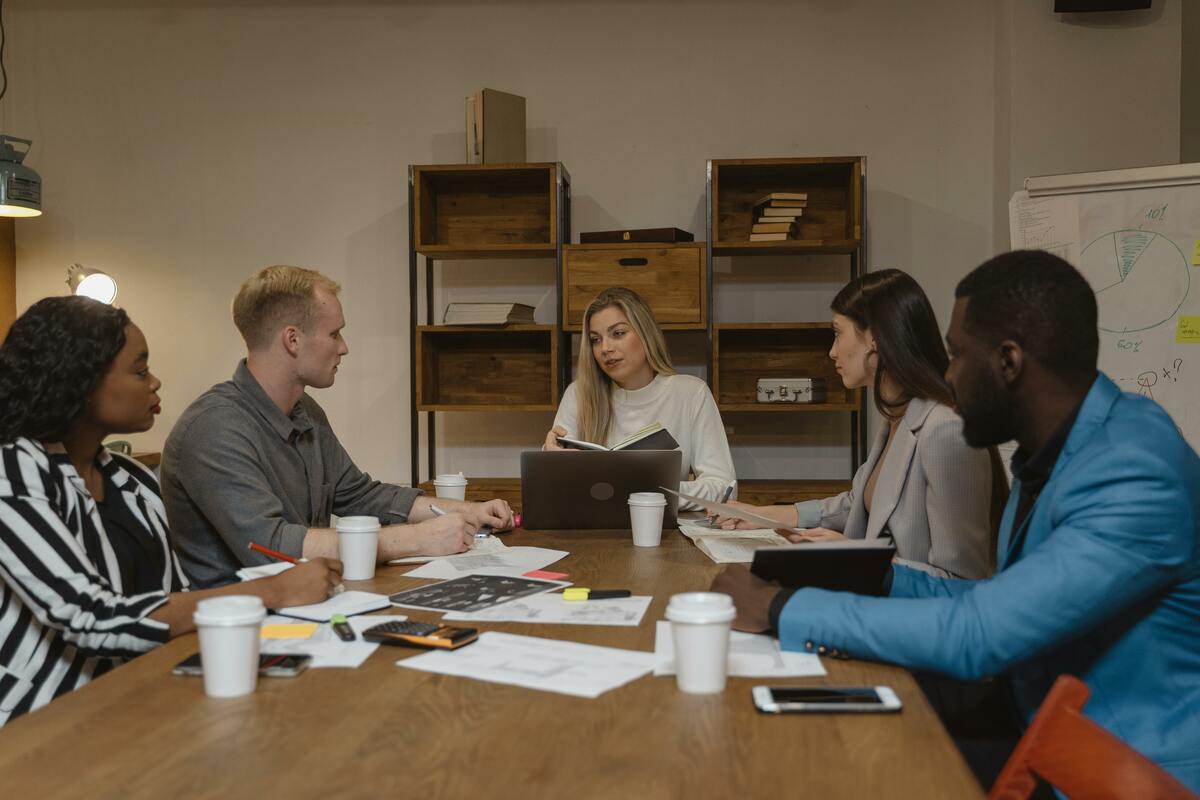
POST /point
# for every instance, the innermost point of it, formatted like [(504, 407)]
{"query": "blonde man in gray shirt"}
[(254, 459)]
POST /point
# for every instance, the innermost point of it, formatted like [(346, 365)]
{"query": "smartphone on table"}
[(824, 699), (269, 666)]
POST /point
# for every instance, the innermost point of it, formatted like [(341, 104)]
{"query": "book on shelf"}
[(770, 211), (774, 226), (782, 197), (651, 437), (487, 314), (769, 237)]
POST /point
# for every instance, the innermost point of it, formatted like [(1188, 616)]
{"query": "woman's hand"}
[(811, 535), (784, 515), (552, 438)]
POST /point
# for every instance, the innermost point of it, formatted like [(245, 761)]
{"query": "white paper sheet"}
[(751, 655), (730, 547), (511, 561), (552, 609), (348, 603), (264, 571), (1045, 223), (326, 649), (488, 544), (549, 665)]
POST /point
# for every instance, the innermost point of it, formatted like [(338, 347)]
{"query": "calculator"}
[(421, 634)]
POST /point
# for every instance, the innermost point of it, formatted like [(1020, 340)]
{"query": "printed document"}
[(510, 561), (549, 665), (326, 649), (552, 609), (751, 655)]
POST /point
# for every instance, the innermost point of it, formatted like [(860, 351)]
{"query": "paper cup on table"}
[(452, 487), (229, 628), (700, 632), (646, 517), (358, 543)]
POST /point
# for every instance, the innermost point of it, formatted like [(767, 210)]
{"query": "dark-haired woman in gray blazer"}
[(922, 486)]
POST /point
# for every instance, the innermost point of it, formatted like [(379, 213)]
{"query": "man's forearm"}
[(320, 543)]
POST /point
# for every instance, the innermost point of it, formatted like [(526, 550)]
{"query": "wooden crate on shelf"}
[(831, 222), (485, 210), (745, 352), (670, 277), (475, 368)]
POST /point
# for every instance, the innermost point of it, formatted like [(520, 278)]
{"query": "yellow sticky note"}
[(1196, 254), (300, 630), (1188, 330)]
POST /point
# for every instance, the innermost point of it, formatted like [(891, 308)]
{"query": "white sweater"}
[(685, 407)]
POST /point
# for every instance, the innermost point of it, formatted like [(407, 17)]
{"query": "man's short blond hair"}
[(274, 297)]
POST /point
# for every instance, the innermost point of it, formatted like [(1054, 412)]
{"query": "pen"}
[(580, 593), (342, 628), (273, 553), (712, 518)]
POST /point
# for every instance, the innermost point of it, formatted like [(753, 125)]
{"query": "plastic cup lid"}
[(455, 479), (357, 524), (701, 608), (233, 609), (647, 499)]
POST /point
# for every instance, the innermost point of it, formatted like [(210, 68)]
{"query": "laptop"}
[(589, 489)]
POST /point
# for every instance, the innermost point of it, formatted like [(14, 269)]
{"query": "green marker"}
[(342, 628)]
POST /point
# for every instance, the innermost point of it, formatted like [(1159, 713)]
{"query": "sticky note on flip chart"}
[(1188, 330), (1196, 254)]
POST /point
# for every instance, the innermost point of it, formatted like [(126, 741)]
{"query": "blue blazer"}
[(1102, 581)]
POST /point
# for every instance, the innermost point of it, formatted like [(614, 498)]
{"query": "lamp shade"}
[(20, 186), (91, 283)]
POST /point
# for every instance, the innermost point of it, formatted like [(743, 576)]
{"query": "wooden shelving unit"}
[(833, 223), (671, 277), (482, 211)]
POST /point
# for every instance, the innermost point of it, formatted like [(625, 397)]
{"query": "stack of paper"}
[(508, 561), (486, 544), (751, 655), (730, 547), (582, 670)]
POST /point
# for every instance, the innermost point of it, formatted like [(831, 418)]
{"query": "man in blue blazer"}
[(1098, 563)]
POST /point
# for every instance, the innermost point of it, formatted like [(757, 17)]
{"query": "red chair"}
[(1079, 758)]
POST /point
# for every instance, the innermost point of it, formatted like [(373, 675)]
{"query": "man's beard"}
[(989, 413)]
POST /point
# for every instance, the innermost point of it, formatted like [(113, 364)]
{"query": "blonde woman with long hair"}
[(625, 381)]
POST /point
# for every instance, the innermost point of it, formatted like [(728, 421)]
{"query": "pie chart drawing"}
[(1140, 278)]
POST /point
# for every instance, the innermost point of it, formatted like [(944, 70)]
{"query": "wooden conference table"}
[(380, 731)]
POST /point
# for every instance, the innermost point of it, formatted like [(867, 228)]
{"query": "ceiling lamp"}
[(91, 283), (20, 186)]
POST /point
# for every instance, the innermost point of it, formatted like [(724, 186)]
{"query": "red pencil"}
[(272, 553)]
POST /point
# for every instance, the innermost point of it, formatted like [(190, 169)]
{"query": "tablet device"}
[(589, 489), (851, 565)]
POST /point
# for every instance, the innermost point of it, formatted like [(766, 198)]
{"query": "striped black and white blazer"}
[(64, 619)]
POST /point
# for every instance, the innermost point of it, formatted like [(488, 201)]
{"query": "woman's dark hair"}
[(50, 362), (895, 309)]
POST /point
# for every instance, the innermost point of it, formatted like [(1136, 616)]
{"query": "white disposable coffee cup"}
[(453, 487), (358, 543), (700, 631), (646, 517), (229, 629)]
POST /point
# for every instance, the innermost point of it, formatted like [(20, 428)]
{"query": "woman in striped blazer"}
[(922, 486), (87, 575)]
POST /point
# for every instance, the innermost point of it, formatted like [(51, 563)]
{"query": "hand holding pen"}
[(712, 518)]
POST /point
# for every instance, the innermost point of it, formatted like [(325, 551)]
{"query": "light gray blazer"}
[(932, 497)]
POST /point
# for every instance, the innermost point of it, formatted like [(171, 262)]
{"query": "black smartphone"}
[(269, 666)]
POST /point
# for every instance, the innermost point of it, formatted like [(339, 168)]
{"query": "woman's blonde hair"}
[(593, 386)]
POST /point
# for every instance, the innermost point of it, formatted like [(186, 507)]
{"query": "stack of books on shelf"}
[(777, 216), (487, 314)]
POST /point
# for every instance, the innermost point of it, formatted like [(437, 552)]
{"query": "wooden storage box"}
[(744, 353), (485, 211), (461, 368), (670, 277), (832, 220)]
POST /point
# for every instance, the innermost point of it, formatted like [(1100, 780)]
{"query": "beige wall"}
[(1189, 123), (185, 144)]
